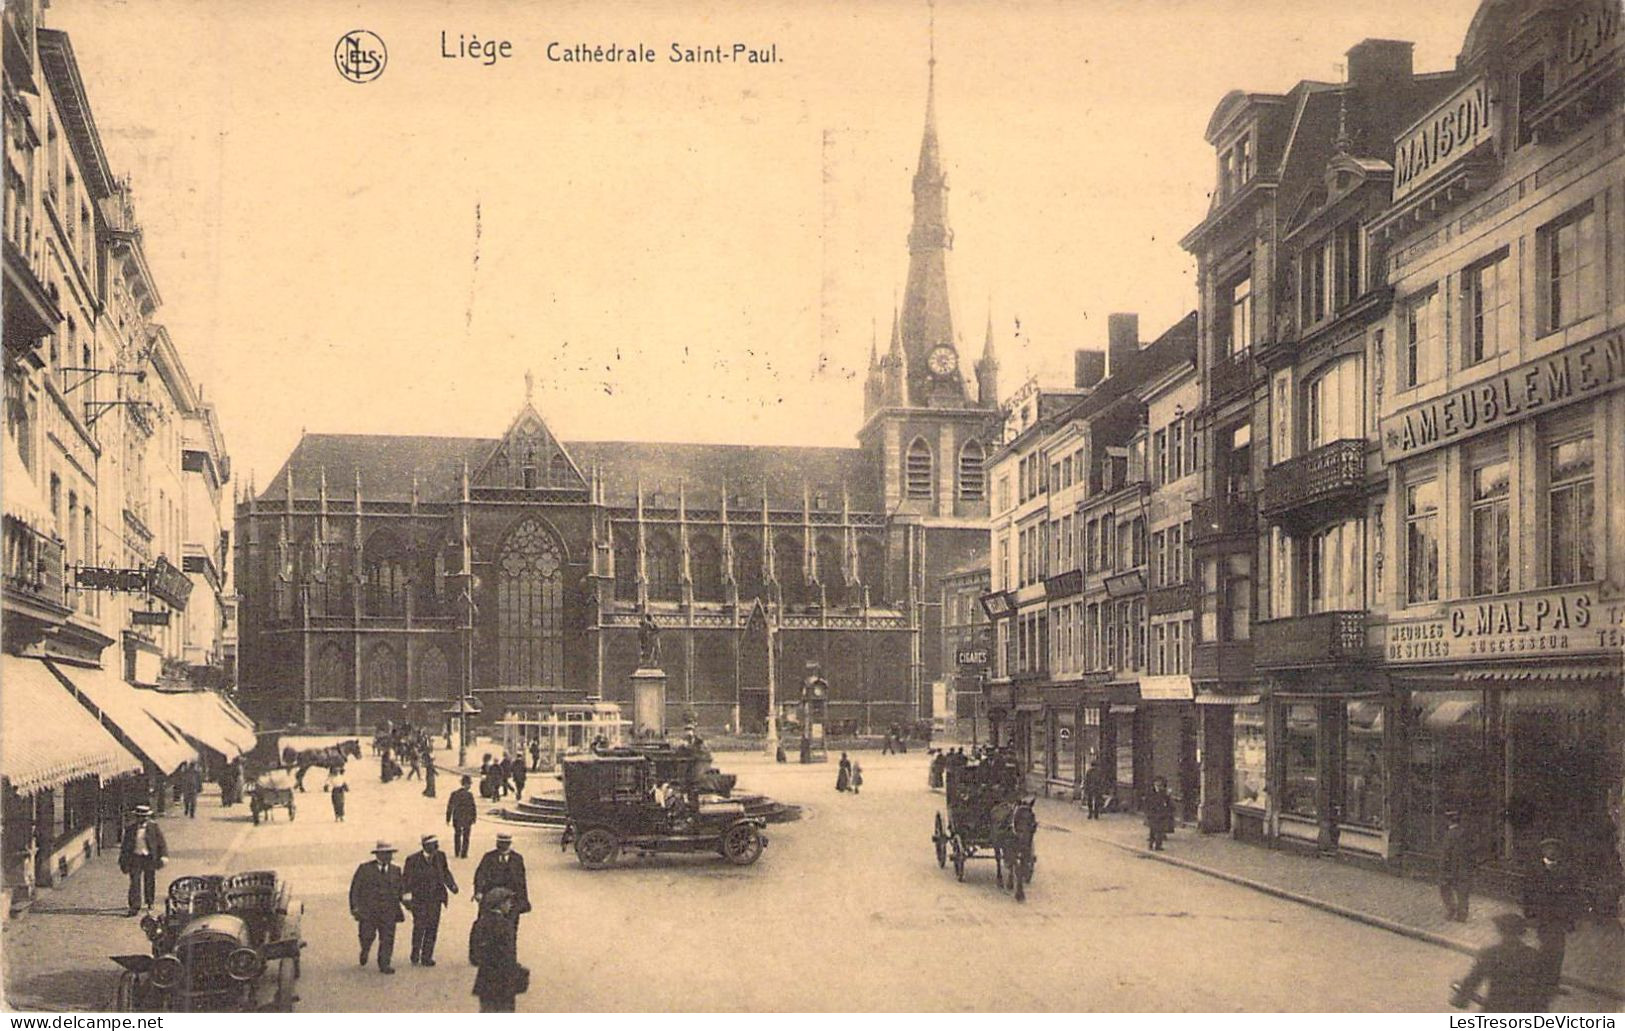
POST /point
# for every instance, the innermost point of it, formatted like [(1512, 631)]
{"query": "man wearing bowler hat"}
[(430, 883), (140, 854), (502, 867), (375, 902)]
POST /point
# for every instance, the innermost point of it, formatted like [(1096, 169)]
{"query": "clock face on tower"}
[(942, 360)]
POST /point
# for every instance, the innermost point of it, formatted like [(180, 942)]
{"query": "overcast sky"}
[(679, 252)]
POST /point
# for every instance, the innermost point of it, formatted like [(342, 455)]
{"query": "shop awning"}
[(1172, 688), (121, 705), (1449, 712), (23, 500), (1554, 673), (1228, 699), (48, 737), (202, 717)]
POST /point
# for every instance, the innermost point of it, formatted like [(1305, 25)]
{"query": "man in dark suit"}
[(430, 883), (1552, 902), (375, 902), (502, 867), (461, 812), (140, 854)]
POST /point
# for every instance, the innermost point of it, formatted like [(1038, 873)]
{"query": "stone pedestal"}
[(649, 703)]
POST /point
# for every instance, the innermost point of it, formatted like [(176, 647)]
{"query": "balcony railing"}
[(1322, 639), (1329, 475), (1222, 660), (1229, 375), (1229, 516)]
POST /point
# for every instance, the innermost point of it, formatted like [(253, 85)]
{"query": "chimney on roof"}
[(1122, 340), (1376, 62), (1088, 368)]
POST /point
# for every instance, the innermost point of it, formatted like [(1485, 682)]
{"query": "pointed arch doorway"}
[(755, 671)]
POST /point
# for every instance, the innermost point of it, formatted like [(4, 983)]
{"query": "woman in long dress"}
[(493, 947), (843, 777)]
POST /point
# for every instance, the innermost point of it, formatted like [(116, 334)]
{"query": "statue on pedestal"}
[(648, 643)]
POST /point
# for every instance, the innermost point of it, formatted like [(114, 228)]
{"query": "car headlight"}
[(245, 964), (151, 927), (167, 970)]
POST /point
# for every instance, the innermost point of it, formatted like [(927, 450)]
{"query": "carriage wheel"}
[(742, 844), (596, 848), (959, 857), (939, 838)]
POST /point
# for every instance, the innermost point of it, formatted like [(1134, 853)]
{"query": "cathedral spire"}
[(987, 368)]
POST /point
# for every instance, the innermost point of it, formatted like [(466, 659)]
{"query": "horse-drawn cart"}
[(271, 790), (987, 818)]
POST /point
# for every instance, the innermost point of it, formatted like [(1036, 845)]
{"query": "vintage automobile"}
[(619, 802), (223, 944), (271, 789)]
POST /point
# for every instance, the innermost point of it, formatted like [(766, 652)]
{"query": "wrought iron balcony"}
[(1327, 477), (1321, 639), (1232, 516), (1222, 660), (34, 583), (1228, 376)]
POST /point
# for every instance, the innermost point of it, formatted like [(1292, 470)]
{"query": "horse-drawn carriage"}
[(223, 944), (988, 818), (271, 789)]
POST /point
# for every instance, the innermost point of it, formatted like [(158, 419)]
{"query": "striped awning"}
[(1228, 699), (46, 737), (122, 705), (203, 717), (1554, 673), (23, 500)]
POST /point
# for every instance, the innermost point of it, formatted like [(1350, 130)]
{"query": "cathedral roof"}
[(387, 464)]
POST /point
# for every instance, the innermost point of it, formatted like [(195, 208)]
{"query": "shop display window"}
[(1363, 780), (1039, 757), (1125, 748), (1251, 787), (1449, 767), (1557, 764), (1300, 754), (1066, 745)]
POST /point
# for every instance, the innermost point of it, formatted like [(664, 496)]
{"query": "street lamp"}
[(469, 583)]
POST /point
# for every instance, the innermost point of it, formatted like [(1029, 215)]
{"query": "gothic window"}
[(381, 677), (705, 565), (917, 470), (384, 575), (331, 677), (831, 567), (431, 678), (530, 608), (748, 557), (791, 568), (663, 567), (872, 568), (972, 477), (558, 471), (626, 566)]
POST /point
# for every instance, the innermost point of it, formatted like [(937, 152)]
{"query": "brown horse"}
[(1014, 825)]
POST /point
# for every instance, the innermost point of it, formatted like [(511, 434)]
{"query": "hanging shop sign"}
[(141, 618), (103, 578), (1444, 136), (1528, 625), (169, 584), (1576, 373), (971, 658)]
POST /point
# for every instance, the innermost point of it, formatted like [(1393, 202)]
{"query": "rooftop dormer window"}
[(1235, 166)]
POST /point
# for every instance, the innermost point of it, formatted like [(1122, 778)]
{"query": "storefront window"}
[(1251, 787), (1066, 745), (1299, 768), (1448, 765), (1040, 745), (1557, 764), (1125, 748), (1363, 780)]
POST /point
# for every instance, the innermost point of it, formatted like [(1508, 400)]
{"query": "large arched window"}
[(663, 567), (381, 677), (383, 575), (558, 470), (917, 470), (831, 567), (705, 566), (530, 608), (872, 568), (748, 564), (431, 676), (972, 477), (331, 677), (790, 566), (626, 565)]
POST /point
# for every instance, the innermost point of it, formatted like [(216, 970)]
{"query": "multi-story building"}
[(205, 546), (1498, 537), (84, 439), (967, 648), (382, 576), (1071, 670)]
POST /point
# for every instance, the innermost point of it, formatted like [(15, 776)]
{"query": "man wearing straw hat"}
[(431, 885), (502, 867), (375, 902), (140, 854)]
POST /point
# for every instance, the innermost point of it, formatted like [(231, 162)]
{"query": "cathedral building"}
[(380, 574)]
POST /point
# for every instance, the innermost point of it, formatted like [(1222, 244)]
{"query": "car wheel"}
[(742, 844), (596, 848)]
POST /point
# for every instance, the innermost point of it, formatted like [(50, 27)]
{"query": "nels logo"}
[(360, 56)]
